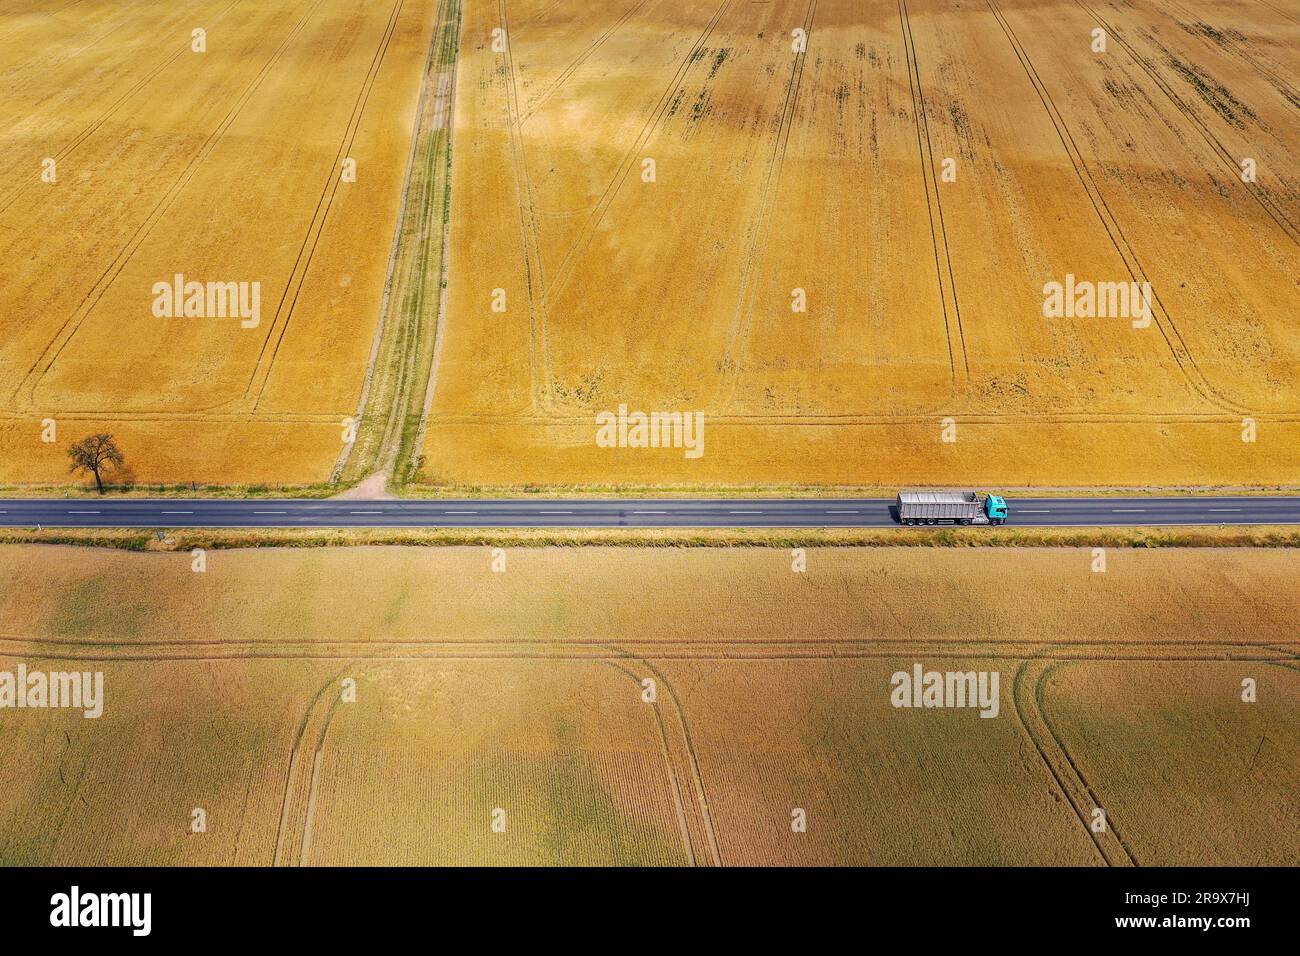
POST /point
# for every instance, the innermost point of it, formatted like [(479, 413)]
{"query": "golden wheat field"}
[(827, 226), (913, 173), (274, 156), (591, 706)]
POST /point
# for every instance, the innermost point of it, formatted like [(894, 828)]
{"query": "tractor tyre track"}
[(32, 378), (1020, 706), (555, 85), (597, 215), (756, 253), (666, 749), (287, 802), (1164, 321), (529, 232), (1039, 702), (25, 182), (320, 216), (934, 206), (1255, 190)]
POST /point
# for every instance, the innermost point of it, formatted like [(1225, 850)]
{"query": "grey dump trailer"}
[(958, 507)]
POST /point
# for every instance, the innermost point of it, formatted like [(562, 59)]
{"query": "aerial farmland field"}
[(830, 226), (588, 706), (272, 159), (597, 434)]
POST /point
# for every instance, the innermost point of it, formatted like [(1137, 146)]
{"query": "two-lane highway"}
[(618, 512)]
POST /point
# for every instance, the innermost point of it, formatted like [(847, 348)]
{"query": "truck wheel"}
[(965, 520)]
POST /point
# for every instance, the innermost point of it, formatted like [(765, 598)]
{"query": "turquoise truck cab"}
[(995, 507)]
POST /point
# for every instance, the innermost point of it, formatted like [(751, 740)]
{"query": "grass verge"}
[(214, 539)]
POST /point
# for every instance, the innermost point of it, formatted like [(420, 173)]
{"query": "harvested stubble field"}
[(824, 171), (226, 165), (522, 691)]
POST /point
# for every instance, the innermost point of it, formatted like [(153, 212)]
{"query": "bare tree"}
[(96, 454)]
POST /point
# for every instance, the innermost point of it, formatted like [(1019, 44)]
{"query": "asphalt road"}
[(617, 513)]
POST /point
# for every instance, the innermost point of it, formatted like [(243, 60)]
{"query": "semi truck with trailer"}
[(956, 507)]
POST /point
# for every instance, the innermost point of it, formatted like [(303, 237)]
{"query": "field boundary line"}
[(810, 420), (439, 329), (910, 418), (389, 277), (645, 647), (160, 415), (46, 649), (425, 192)]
